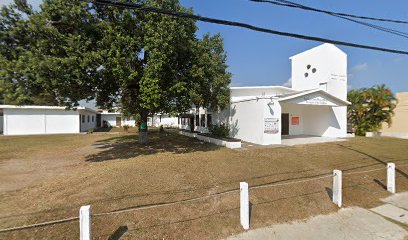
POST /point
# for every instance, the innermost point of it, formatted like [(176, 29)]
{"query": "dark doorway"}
[(192, 124), (285, 123), (98, 120), (118, 122)]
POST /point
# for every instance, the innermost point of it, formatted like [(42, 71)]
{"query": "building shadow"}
[(118, 233), (128, 146)]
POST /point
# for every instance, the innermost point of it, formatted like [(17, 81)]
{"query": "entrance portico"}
[(313, 113)]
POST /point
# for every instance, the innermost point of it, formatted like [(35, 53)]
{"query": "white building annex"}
[(316, 104), (30, 120)]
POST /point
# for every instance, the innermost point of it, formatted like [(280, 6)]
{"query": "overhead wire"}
[(287, 3), (338, 13), (144, 8)]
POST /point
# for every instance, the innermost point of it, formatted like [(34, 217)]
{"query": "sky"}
[(263, 59)]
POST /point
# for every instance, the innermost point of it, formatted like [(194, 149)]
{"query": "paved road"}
[(350, 223)]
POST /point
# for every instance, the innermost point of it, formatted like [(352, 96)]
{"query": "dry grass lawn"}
[(49, 177)]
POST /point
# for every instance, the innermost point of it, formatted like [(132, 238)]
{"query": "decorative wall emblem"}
[(310, 70)]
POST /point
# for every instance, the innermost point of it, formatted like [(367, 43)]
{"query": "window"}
[(202, 120), (88, 118), (197, 120), (209, 120), (323, 86), (93, 118), (83, 118)]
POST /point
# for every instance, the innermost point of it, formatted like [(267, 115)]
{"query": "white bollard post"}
[(85, 223), (337, 187), (391, 177), (244, 205)]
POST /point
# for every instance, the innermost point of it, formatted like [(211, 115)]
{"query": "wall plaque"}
[(271, 125)]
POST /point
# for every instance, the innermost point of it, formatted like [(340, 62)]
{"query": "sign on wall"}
[(295, 120), (271, 125), (315, 100)]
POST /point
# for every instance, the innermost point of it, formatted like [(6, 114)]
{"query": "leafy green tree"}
[(370, 107), (14, 41), (143, 63), (209, 73)]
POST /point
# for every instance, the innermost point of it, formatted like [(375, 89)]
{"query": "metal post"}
[(391, 177), (337, 187), (244, 205)]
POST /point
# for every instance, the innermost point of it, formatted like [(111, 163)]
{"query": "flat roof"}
[(45, 107), (261, 87)]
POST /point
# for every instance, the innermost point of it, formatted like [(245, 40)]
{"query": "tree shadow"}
[(128, 146), (118, 233)]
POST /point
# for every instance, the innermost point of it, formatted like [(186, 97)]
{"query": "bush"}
[(222, 130), (90, 131), (126, 128)]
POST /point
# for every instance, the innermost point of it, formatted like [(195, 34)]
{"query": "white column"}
[(244, 205), (205, 118), (391, 177), (337, 187), (85, 223)]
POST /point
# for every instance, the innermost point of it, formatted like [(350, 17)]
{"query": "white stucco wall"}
[(325, 121), (86, 125), (273, 111), (40, 121), (165, 121), (245, 124), (294, 111), (111, 120), (331, 68), (247, 121)]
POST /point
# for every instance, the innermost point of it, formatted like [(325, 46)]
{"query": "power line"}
[(144, 8), (303, 7), (337, 13)]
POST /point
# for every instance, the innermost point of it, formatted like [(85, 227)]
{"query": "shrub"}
[(126, 128), (90, 131), (220, 130)]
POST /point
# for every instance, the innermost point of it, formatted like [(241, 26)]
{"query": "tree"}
[(370, 107), (14, 40), (143, 63), (209, 72)]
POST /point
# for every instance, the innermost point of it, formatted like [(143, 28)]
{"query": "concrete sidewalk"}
[(350, 223)]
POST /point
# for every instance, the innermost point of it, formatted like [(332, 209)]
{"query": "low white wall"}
[(215, 141), (40, 121)]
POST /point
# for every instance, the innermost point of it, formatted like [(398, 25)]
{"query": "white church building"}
[(316, 104)]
